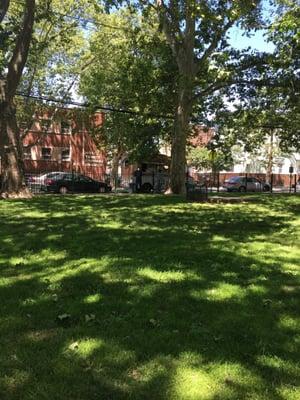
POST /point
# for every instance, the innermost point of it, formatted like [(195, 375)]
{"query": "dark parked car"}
[(239, 184), (68, 182)]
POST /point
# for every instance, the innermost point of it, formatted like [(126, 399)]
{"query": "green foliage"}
[(132, 69), (203, 158), (270, 103), (54, 61), (285, 33), (57, 45), (53, 65)]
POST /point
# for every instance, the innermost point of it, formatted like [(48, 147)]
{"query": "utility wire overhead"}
[(94, 106)]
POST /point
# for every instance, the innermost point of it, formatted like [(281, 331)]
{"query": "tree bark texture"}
[(4, 4), (13, 179), (13, 182), (178, 150), (183, 52), (270, 157)]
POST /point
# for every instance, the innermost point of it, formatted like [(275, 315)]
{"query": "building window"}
[(27, 153), (66, 127), (65, 154), (46, 153)]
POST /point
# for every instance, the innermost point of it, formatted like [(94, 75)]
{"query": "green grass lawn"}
[(149, 297)]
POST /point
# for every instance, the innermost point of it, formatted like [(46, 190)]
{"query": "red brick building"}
[(63, 145), (201, 136)]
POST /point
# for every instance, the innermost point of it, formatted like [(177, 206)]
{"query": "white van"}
[(155, 177)]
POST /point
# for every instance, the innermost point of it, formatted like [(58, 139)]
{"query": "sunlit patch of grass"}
[(162, 276), (289, 322), (149, 297), (92, 298), (224, 291), (290, 392), (192, 383), (84, 347)]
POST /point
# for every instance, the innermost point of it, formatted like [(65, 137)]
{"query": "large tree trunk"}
[(183, 51), (178, 22), (179, 140), (184, 106), (13, 182), (4, 4), (270, 158)]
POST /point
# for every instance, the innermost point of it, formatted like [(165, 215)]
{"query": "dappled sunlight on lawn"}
[(136, 297)]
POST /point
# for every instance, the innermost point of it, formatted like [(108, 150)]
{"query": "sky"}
[(257, 40)]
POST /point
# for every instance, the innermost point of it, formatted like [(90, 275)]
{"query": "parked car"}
[(36, 182), (239, 184), (39, 179), (68, 182)]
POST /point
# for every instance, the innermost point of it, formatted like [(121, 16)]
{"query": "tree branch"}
[(162, 9), (19, 57), (220, 85), (214, 43), (4, 4)]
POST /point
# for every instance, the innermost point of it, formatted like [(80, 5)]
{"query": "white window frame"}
[(61, 154)]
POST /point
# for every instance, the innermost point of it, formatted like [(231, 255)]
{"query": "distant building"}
[(257, 164), (63, 145), (253, 163)]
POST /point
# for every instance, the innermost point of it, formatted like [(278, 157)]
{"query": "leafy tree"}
[(10, 145), (56, 41), (132, 70), (196, 32), (270, 109), (209, 159), (285, 34)]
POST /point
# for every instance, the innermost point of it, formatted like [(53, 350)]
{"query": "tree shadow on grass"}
[(174, 310)]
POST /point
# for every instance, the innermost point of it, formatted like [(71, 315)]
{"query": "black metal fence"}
[(218, 181), (44, 182), (159, 182), (39, 182)]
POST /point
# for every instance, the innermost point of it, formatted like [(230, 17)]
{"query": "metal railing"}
[(216, 182), (158, 183)]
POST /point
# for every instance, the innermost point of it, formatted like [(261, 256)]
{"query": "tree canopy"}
[(197, 35), (271, 104), (132, 70), (167, 64)]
